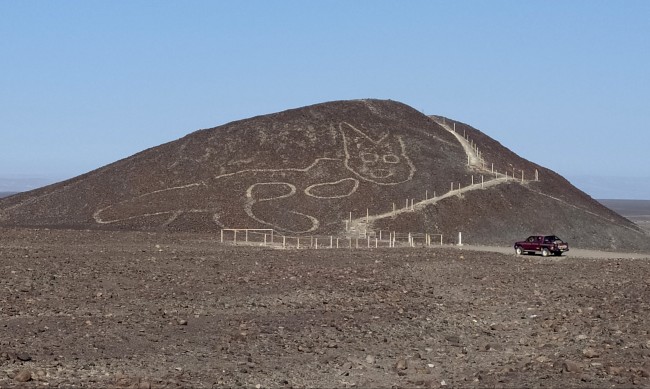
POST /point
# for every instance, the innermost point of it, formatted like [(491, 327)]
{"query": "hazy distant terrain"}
[(637, 211), (603, 187), (17, 183), (5, 194)]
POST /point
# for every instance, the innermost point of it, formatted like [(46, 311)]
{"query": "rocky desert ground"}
[(153, 310)]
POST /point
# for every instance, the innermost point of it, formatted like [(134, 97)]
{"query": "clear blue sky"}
[(565, 84)]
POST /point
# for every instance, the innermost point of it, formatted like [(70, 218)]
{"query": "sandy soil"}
[(145, 310), (572, 253)]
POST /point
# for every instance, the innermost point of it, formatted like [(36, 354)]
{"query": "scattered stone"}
[(422, 352), (496, 326), (614, 370), (491, 347), (144, 385), (401, 364), (453, 339), (25, 287), (571, 366), (590, 353), (121, 380), (23, 376)]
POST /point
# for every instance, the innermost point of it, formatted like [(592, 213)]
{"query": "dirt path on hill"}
[(363, 224), (473, 157)]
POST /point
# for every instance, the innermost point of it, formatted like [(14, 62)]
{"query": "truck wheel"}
[(545, 252), (519, 250)]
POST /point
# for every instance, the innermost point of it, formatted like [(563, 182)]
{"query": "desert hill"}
[(343, 167)]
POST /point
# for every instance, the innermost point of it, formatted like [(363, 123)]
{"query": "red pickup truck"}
[(545, 244)]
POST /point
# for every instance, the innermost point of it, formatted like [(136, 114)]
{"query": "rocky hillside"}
[(344, 167)]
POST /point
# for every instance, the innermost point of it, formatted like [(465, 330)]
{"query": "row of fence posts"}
[(394, 240), (480, 157), (410, 203), (426, 192)]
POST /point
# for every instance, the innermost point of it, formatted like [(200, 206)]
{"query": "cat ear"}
[(353, 134)]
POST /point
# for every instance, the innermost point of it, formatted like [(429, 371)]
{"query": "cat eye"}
[(391, 158), (369, 157)]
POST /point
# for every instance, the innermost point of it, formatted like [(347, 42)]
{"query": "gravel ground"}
[(147, 310), (572, 253)]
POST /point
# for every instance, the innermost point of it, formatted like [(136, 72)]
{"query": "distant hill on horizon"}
[(7, 194), (339, 168)]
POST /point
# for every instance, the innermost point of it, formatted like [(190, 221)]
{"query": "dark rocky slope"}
[(304, 171)]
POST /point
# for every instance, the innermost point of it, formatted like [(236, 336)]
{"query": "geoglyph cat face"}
[(382, 161)]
